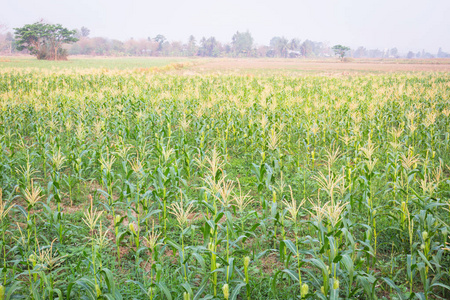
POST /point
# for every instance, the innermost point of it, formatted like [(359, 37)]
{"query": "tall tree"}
[(191, 46), (10, 41), (340, 50), (442, 54), (160, 39), (280, 45), (210, 46), (59, 35), (294, 44), (242, 42), (33, 38), (360, 52), (85, 31), (44, 40), (394, 52)]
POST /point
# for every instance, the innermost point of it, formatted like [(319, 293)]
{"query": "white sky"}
[(405, 24)]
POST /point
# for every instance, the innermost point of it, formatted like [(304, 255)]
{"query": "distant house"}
[(294, 53)]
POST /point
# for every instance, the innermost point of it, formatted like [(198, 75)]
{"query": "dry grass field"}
[(196, 65), (331, 66)]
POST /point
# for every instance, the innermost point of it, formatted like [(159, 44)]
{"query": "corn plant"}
[(146, 184)]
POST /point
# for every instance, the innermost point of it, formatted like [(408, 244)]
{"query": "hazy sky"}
[(405, 24)]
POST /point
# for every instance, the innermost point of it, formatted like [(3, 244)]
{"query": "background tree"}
[(209, 47), (442, 54), (360, 52), (32, 37), (307, 48), (59, 35), (44, 40), (191, 46), (175, 48), (242, 42), (5, 43), (85, 31), (340, 50), (294, 44), (279, 45), (160, 39), (262, 51), (9, 41), (393, 52)]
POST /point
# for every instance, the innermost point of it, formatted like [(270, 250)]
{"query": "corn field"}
[(139, 185)]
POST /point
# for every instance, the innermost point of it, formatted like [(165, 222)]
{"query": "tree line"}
[(241, 45), (53, 42)]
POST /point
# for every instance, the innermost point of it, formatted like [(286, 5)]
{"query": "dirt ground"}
[(320, 66)]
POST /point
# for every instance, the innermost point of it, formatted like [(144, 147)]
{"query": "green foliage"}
[(340, 50), (44, 40), (242, 42), (280, 45), (209, 47), (134, 185)]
